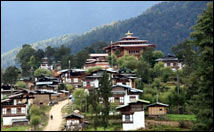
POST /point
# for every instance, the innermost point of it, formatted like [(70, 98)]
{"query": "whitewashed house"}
[(133, 116), (14, 109), (123, 94)]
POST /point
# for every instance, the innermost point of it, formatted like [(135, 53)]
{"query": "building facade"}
[(128, 45), (97, 60)]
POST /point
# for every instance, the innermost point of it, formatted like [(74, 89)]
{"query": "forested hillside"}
[(8, 59), (165, 24)]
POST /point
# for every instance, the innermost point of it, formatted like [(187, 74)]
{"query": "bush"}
[(35, 110), (35, 121)]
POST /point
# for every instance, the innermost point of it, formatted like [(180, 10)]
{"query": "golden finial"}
[(111, 42), (129, 33)]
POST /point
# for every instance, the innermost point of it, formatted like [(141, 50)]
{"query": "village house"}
[(157, 109), (72, 76), (133, 115), (91, 80), (14, 109), (123, 94), (47, 83), (7, 90), (97, 60), (75, 121), (128, 45), (45, 65), (170, 61)]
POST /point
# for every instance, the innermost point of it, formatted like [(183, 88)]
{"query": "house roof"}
[(19, 120), (44, 83), (74, 115), (133, 102), (158, 103), (97, 55), (127, 87)]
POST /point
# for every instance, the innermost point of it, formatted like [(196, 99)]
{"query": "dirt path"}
[(54, 125)]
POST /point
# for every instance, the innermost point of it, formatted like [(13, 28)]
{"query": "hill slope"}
[(8, 58), (165, 25)]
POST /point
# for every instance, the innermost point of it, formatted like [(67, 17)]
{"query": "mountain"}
[(8, 59), (165, 25), (32, 21)]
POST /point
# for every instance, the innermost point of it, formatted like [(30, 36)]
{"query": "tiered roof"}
[(129, 41)]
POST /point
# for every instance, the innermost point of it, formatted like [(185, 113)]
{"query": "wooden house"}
[(7, 90), (97, 60), (74, 121), (72, 76), (171, 61), (133, 116), (123, 94), (47, 83), (157, 109), (14, 109)]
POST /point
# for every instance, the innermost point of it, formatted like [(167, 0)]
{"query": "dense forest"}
[(165, 25)]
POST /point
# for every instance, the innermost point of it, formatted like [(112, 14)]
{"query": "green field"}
[(181, 117), (16, 128)]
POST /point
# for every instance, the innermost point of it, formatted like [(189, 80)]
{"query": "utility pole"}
[(111, 55)]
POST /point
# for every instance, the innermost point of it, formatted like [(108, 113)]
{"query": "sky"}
[(31, 21)]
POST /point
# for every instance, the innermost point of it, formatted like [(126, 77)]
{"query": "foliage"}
[(112, 59), (35, 121), (15, 128), (92, 69), (21, 84), (105, 87), (35, 110), (95, 108), (202, 101), (127, 61), (69, 88), (39, 72), (24, 56), (11, 75), (80, 99)]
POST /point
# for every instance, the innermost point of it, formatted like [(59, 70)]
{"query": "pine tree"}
[(202, 101), (105, 87)]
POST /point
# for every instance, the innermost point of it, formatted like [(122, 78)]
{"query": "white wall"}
[(139, 120), (128, 126), (96, 83), (8, 120)]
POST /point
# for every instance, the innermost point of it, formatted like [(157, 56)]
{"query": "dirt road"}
[(54, 125)]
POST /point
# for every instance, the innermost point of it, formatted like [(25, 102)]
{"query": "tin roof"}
[(158, 103)]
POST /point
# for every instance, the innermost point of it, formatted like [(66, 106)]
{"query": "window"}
[(13, 110), (4, 111), (92, 83), (23, 110), (128, 118), (160, 109), (75, 122), (111, 99), (84, 84), (75, 79), (121, 99), (68, 122), (132, 98), (18, 110)]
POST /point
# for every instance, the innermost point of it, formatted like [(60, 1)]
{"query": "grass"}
[(15, 128), (163, 128), (181, 117)]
